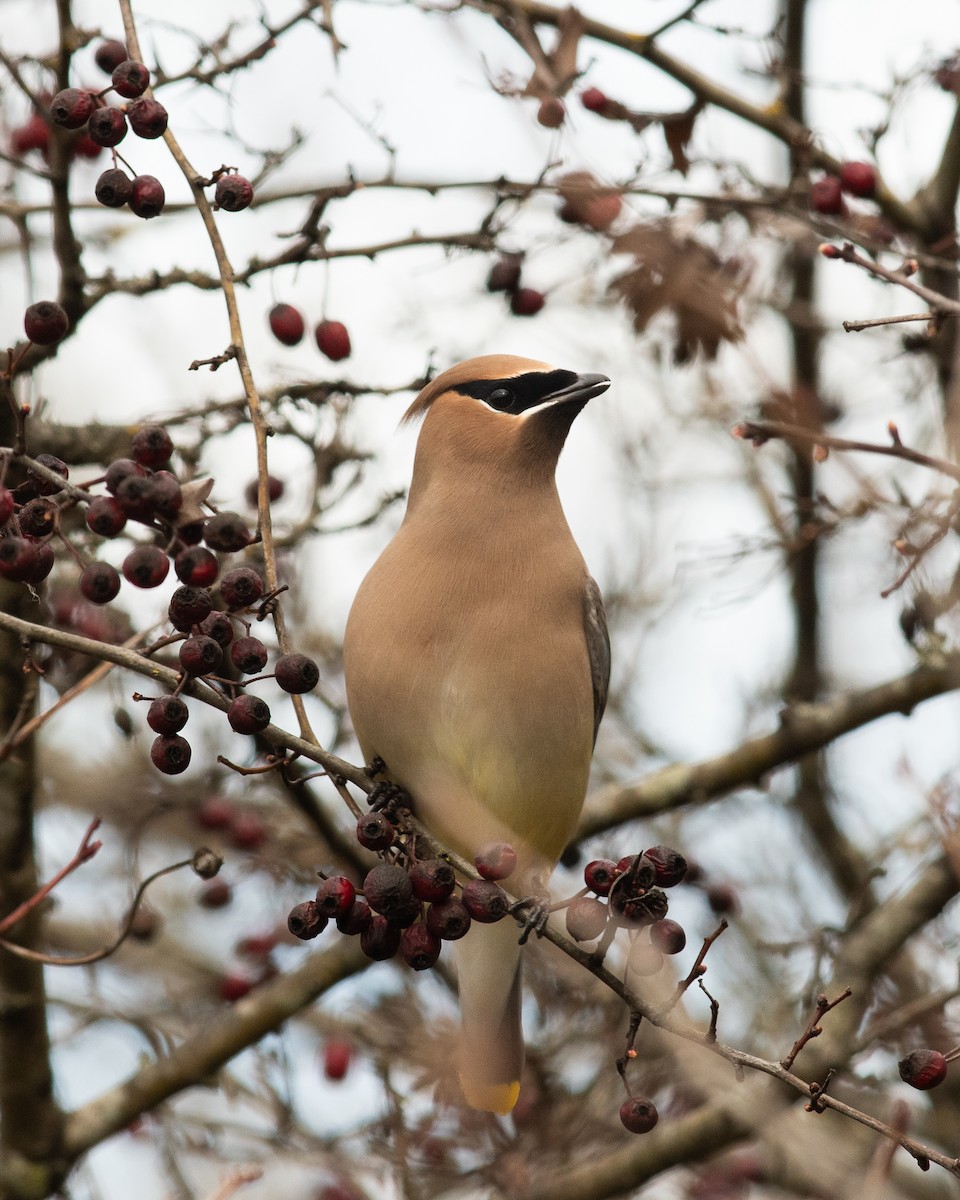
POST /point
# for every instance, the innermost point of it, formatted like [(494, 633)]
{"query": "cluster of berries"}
[(288, 326), (855, 178), (504, 276)]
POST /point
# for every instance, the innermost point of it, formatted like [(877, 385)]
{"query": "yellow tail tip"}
[(491, 1097)]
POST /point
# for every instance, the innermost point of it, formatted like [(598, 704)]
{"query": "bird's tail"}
[(491, 1045)]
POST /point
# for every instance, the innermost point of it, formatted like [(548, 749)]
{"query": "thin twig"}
[(85, 851)]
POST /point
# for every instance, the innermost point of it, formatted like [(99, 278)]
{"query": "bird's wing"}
[(598, 648)]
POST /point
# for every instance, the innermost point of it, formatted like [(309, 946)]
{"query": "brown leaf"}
[(677, 131), (554, 73), (571, 25)]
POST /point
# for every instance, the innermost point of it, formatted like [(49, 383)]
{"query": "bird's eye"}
[(500, 398)]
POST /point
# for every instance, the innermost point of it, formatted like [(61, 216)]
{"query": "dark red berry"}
[(72, 107), (7, 505), (586, 918), (305, 921), (107, 127), (233, 193), (135, 497), (527, 302), (241, 587), (100, 583), (247, 831), (234, 986), (216, 894), (599, 875), (42, 485), (333, 340), (148, 119), (448, 919), (375, 832), (199, 655), (668, 936), (257, 945), (552, 112), (196, 566), (151, 446), (248, 655), (296, 673), (34, 134), (248, 714), (723, 899), (336, 896), (826, 196), (38, 517), (923, 1069), (167, 495), (110, 55), (114, 188), (387, 889), (118, 471), (147, 195), (287, 324), (215, 812), (274, 490), (356, 919), (188, 607), (130, 79), (419, 947), (219, 627), (485, 900), (337, 1056), (85, 147), (146, 567), (669, 865), (504, 275), (380, 940), (227, 532), (167, 715), (18, 558), (498, 860), (45, 323), (41, 562), (638, 1114), (859, 179), (171, 755), (593, 100), (432, 879)]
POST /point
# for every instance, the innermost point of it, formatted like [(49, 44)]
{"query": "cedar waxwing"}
[(477, 660)]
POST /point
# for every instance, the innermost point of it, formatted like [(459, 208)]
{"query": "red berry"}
[(118, 471), (234, 986), (146, 567), (275, 490), (923, 1069), (333, 340), (287, 324), (485, 900), (100, 583), (419, 947), (638, 1114), (356, 919), (337, 1056), (38, 517), (196, 566), (599, 875), (388, 891), (504, 275), (448, 919), (257, 945), (216, 894), (18, 558), (336, 896), (669, 865), (305, 922), (167, 495), (41, 562), (375, 832), (114, 188), (130, 79), (167, 715), (147, 196), (135, 497), (432, 879), (215, 812), (227, 532), (33, 135), (668, 936), (148, 118), (45, 323), (247, 831), (552, 112), (107, 127), (46, 487), (219, 627), (171, 755), (723, 899), (151, 446), (826, 196), (199, 655), (248, 714), (498, 860), (380, 940), (586, 918), (593, 100), (241, 588), (527, 302), (72, 107), (110, 55), (248, 655), (233, 193), (859, 179), (296, 673)]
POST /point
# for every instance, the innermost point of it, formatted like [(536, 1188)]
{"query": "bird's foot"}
[(532, 912)]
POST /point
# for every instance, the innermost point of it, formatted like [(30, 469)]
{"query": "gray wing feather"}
[(598, 648)]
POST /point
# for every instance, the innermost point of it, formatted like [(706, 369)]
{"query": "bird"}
[(477, 661)]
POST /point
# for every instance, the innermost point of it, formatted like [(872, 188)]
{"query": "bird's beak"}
[(584, 388)]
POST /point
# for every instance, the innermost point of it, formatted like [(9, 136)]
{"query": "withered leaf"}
[(677, 131)]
